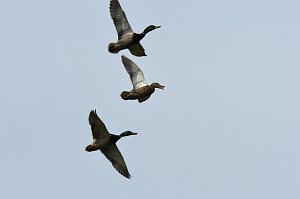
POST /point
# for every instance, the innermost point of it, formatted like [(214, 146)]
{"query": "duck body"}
[(128, 41), (141, 94), (106, 143), (141, 90)]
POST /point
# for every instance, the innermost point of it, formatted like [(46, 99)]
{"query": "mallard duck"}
[(141, 90), (126, 37), (106, 143)]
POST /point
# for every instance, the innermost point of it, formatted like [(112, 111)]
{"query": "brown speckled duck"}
[(141, 90), (106, 143), (127, 39)]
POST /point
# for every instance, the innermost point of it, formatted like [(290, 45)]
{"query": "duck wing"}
[(98, 127), (142, 99), (135, 73), (119, 18), (113, 154), (137, 50)]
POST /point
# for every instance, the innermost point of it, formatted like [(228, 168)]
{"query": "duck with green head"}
[(106, 143), (141, 90), (127, 39)]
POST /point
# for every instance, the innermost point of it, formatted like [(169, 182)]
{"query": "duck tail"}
[(125, 95), (111, 48)]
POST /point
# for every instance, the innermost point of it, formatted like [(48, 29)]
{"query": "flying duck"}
[(141, 90), (126, 37), (106, 143)]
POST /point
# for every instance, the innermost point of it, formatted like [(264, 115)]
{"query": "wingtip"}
[(127, 176), (93, 111), (92, 114)]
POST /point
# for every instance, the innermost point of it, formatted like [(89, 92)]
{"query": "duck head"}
[(127, 133), (157, 85), (150, 28)]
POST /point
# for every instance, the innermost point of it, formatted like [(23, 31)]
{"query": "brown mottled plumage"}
[(141, 94), (141, 90)]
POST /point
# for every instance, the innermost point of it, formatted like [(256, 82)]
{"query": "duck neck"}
[(148, 29), (139, 37), (114, 138), (143, 34)]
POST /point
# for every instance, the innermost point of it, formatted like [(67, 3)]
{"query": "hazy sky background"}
[(227, 125)]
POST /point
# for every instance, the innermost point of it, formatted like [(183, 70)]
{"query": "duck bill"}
[(157, 27), (162, 87)]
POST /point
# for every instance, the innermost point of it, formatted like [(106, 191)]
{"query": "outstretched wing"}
[(113, 154), (137, 50), (98, 127), (119, 18), (135, 73)]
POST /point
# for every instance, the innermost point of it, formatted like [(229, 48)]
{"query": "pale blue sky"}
[(225, 127)]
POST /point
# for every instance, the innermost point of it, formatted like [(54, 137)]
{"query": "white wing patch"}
[(135, 73)]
